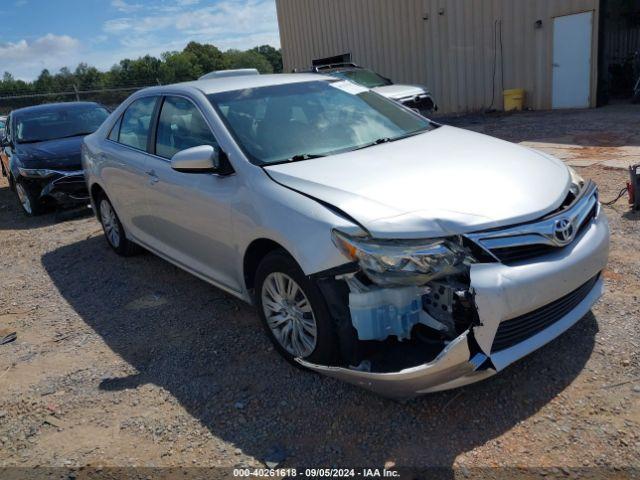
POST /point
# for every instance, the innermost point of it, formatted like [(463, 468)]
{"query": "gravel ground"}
[(132, 362)]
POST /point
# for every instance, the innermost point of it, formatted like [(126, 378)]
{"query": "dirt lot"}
[(132, 362)]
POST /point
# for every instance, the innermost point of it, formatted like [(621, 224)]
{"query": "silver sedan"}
[(379, 247)]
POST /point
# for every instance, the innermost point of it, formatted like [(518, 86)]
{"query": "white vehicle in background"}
[(412, 96)]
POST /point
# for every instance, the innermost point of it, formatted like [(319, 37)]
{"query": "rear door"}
[(191, 211), (126, 169)]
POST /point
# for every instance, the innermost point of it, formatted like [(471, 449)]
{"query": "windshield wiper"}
[(380, 141), (298, 158), (38, 140), (304, 156), (74, 135)]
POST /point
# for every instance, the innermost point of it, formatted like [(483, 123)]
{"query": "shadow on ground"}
[(209, 351), (12, 217)]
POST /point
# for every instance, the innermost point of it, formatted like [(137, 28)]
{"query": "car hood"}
[(397, 92), (62, 154), (443, 182)]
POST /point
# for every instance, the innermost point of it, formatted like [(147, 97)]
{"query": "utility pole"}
[(75, 89)]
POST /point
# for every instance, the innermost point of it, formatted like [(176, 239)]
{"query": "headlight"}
[(405, 262), (36, 172), (577, 182)]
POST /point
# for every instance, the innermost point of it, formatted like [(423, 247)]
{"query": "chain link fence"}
[(109, 97)]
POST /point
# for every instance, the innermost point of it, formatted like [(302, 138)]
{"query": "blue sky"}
[(37, 34)]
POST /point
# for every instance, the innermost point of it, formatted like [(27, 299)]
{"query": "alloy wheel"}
[(289, 314), (23, 196), (110, 223)]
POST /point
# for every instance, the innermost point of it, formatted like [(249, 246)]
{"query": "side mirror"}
[(202, 159)]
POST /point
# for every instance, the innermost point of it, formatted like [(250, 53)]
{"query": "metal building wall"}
[(451, 51)]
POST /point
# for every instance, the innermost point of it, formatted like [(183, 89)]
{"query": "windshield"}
[(363, 77), (311, 119), (39, 126)]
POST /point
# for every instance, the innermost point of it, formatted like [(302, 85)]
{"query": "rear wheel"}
[(113, 229), (293, 311)]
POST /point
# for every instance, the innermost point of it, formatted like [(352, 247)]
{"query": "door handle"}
[(555, 64)]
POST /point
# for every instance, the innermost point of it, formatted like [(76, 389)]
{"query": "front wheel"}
[(293, 311), (113, 229), (31, 205)]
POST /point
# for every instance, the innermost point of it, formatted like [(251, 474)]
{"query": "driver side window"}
[(181, 126)]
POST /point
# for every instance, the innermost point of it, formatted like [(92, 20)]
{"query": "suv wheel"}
[(113, 229), (293, 311)]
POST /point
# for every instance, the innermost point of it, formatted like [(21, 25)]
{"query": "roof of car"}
[(218, 85), (53, 107)]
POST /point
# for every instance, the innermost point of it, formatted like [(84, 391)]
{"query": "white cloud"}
[(117, 25), (47, 46), (228, 24), (26, 58), (123, 6)]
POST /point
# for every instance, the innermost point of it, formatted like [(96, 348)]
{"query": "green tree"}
[(193, 61), (248, 59), (179, 67), (88, 78), (273, 56), (44, 82), (208, 57)]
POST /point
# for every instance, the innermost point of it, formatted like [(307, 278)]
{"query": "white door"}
[(572, 60)]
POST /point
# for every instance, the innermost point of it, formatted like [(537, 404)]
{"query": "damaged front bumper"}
[(520, 308), (67, 188)]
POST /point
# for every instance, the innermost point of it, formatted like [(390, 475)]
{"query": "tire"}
[(29, 203), (300, 330), (113, 230)]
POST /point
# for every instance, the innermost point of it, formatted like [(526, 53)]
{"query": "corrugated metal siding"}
[(620, 43), (452, 52)]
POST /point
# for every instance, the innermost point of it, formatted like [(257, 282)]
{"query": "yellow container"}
[(513, 99)]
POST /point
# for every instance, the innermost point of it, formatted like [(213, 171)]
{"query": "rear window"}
[(136, 123)]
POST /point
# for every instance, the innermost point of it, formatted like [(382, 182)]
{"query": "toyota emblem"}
[(563, 231)]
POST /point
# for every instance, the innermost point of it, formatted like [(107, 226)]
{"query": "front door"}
[(191, 212), (572, 60)]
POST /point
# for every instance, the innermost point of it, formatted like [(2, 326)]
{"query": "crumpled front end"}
[(67, 187), (525, 288)]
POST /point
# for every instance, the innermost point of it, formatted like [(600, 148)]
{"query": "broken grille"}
[(531, 240), (511, 332), (513, 255)]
